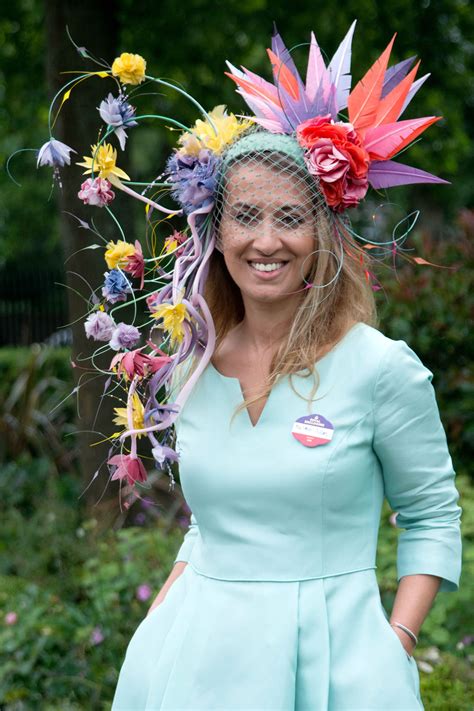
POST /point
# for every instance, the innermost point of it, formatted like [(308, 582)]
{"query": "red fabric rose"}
[(358, 158), (312, 130), (333, 192), (336, 156)]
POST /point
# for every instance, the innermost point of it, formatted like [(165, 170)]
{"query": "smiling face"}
[(267, 228)]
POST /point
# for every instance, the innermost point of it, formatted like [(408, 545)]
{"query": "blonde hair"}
[(340, 295), (323, 316)]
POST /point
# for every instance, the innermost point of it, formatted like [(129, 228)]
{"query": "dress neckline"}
[(236, 381)]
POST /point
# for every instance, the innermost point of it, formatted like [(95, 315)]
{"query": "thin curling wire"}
[(188, 96)]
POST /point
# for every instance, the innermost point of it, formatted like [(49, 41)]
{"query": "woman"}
[(273, 600), (294, 415)]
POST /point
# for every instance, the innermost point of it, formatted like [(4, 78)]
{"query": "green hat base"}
[(258, 141)]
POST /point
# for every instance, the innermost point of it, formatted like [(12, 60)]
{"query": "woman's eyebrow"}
[(291, 208), (297, 207), (244, 206)]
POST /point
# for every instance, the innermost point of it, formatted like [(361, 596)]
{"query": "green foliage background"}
[(59, 571), (190, 41)]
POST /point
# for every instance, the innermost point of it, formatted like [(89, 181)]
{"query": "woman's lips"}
[(266, 276)]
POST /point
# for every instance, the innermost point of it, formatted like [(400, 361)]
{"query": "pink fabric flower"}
[(354, 191), (128, 467), (96, 192), (137, 363), (136, 264), (152, 300), (326, 161), (11, 618)]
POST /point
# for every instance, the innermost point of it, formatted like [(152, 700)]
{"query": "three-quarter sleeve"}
[(419, 479), (189, 540)]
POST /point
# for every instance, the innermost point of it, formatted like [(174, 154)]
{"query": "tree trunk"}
[(93, 25)]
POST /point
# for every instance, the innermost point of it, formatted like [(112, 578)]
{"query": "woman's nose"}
[(267, 233)]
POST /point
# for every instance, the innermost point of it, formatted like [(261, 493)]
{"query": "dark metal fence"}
[(33, 308)]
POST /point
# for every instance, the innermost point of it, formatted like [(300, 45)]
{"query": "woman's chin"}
[(267, 294)]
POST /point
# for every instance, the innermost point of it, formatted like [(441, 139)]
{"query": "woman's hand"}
[(177, 570), (407, 642), (415, 595)]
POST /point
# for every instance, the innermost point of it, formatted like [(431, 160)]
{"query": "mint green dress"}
[(279, 608)]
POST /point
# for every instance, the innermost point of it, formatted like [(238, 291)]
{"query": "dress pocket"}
[(408, 657), (407, 661), (171, 592)]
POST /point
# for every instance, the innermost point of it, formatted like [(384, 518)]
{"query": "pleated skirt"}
[(323, 644)]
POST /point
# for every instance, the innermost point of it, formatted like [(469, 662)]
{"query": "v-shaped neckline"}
[(242, 396), (267, 402)]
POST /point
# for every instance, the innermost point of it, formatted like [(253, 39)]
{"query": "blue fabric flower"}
[(193, 179), (116, 286), (116, 111)]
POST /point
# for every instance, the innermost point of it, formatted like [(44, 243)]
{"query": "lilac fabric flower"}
[(193, 179), (99, 326), (143, 592), (96, 192), (162, 453), (116, 111), (116, 286), (54, 153), (124, 336)]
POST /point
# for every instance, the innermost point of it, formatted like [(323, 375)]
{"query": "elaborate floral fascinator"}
[(297, 128), (345, 156)]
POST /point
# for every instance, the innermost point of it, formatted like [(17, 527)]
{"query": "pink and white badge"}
[(312, 430)]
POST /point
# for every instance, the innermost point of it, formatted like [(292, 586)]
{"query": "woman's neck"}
[(265, 325)]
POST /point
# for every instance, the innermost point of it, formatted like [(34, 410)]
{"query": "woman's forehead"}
[(260, 184)]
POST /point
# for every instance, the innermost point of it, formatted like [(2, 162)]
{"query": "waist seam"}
[(280, 580)]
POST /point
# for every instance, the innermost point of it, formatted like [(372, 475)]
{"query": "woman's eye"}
[(251, 217), (291, 221), (246, 218)]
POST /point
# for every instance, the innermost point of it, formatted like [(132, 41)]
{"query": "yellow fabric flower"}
[(228, 127), (117, 253), (104, 163), (170, 244), (129, 68), (138, 416), (173, 316), (190, 144)]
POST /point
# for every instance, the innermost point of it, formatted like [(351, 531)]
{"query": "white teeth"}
[(266, 267)]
